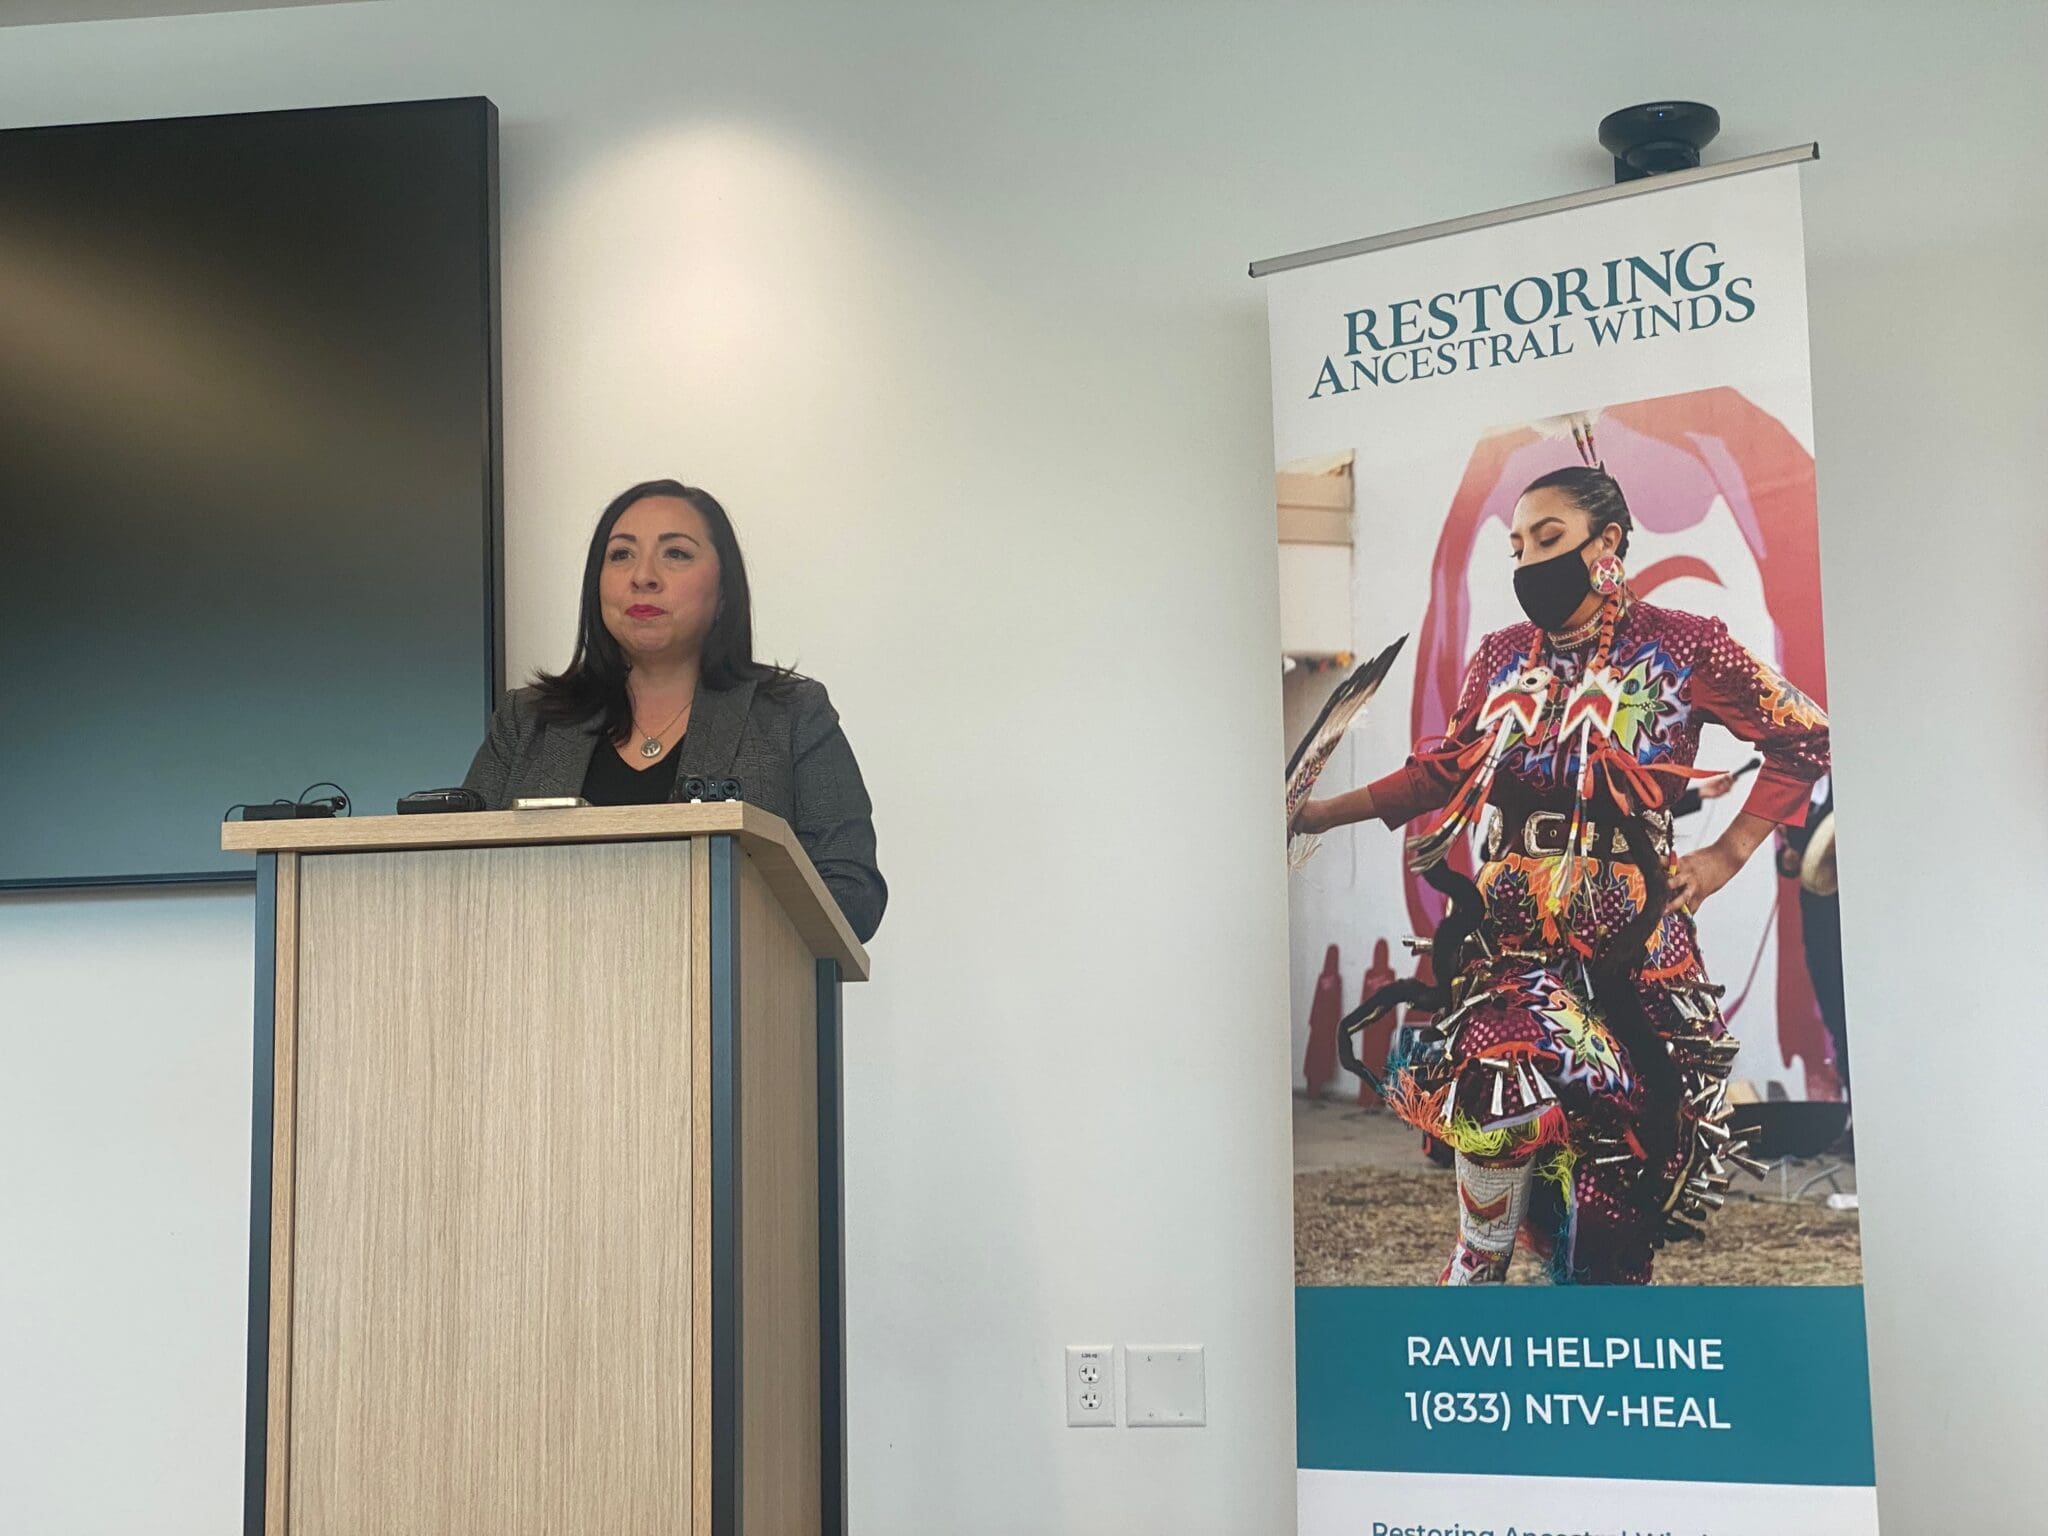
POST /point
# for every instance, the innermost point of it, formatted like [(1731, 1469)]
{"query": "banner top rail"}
[(1793, 155)]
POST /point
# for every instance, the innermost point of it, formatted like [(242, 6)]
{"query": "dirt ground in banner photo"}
[(1371, 1209)]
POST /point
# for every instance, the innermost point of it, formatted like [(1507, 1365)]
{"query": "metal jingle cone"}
[(1448, 1023), (1525, 1087), (1749, 1164)]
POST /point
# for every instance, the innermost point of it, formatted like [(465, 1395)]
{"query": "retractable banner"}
[(1575, 1196)]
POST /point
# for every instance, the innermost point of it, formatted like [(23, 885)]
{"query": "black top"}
[(611, 782), (781, 740)]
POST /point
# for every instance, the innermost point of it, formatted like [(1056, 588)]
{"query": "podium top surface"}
[(766, 837)]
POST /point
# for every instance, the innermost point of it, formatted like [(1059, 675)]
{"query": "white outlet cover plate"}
[(1091, 1385), (1164, 1386)]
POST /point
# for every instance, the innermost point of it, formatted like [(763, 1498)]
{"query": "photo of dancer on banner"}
[(1577, 1060)]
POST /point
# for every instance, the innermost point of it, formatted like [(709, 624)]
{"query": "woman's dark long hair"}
[(593, 685)]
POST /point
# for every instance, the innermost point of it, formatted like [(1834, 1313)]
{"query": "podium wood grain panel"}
[(700, 1186), (779, 1406), (492, 1325), (284, 1095)]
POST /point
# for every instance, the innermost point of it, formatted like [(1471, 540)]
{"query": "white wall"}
[(947, 302)]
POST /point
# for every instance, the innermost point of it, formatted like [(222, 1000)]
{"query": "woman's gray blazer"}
[(784, 745)]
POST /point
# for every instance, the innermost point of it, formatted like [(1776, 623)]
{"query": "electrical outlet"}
[(1091, 1385)]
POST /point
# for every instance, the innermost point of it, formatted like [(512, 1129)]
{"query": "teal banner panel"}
[(1681, 1383)]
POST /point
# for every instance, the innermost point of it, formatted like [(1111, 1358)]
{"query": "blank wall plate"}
[(1164, 1386), (1091, 1385)]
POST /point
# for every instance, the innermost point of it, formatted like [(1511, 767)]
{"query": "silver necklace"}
[(650, 742)]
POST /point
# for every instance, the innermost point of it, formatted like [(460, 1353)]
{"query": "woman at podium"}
[(663, 687)]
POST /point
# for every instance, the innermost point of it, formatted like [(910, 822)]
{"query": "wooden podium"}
[(545, 1201)]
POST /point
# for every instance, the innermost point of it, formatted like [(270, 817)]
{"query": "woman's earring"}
[(1606, 575)]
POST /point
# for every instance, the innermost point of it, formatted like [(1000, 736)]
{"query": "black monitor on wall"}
[(250, 511)]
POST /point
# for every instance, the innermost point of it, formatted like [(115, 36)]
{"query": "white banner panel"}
[(1606, 1101), (1413, 1504)]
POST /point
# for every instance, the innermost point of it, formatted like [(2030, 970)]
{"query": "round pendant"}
[(651, 747)]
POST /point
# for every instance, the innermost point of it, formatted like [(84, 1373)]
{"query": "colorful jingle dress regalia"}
[(1578, 1060)]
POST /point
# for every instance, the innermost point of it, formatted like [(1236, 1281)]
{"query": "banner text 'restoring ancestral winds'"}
[(1492, 325)]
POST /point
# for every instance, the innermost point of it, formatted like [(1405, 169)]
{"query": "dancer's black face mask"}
[(1550, 591)]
